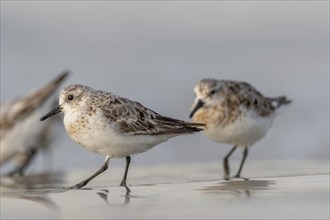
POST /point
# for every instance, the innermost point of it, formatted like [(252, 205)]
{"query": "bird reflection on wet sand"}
[(38, 187), (239, 188), (104, 193), (33, 188), (31, 182)]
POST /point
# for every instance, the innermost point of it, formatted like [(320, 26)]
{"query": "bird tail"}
[(173, 126), (195, 127)]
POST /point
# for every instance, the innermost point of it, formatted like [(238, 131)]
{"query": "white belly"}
[(22, 136), (100, 136), (244, 132), (108, 142)]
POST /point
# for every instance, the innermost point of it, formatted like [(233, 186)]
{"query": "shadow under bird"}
[(21, 133), (114, 126), (234, 113)]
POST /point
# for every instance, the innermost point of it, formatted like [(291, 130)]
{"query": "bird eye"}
[(70, 97), (212, 92)]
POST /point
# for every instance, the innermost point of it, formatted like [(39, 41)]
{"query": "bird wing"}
[(248, 96), (133, 118), (22, 107)]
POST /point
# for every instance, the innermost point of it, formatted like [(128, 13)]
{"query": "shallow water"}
[(164, 192)]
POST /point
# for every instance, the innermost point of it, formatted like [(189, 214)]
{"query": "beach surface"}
[(275, 190)]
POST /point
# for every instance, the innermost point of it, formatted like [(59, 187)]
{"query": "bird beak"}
[(199, 104), (51, 113)]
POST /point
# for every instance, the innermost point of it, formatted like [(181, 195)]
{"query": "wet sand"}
[(275, 190)]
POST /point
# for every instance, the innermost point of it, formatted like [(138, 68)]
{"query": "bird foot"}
[(77, 186), (239, 177)]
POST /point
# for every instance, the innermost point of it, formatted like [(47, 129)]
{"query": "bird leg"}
[(128, 161), (83, 183), (26, 160), (226, 164), (245, 153)]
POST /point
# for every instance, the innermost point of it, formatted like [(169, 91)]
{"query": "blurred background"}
[(155, 53)]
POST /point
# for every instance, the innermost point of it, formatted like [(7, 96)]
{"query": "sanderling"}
[(234, 113), (114, 126), (21, 133)]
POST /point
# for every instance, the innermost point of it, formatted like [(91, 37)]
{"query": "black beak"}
[(51, 113), (199, 104)]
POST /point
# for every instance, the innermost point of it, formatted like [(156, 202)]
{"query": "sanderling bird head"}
[(71, 97), (207, 93)]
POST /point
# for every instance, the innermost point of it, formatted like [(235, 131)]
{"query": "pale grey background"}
[(155, 52)]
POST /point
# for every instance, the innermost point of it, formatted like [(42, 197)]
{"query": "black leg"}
[(226, 165), (128, 161), (29, 155), (84, 182), (245, 153)]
